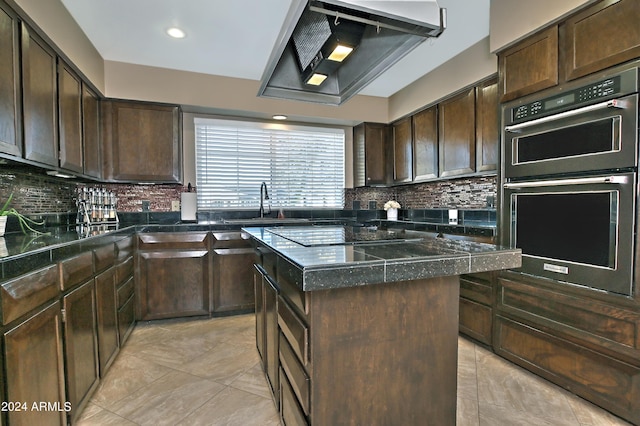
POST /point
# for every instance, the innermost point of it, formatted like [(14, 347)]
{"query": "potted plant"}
[(25, 222), (391, 208)]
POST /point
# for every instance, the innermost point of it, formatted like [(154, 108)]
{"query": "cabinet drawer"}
[(290, 282), (478, 291), (27, 292), (295, 331), (126, 320), (125, 291), (235, 239), (476, 320), (76, 270), (173, 241), (292, 414), (295, 372), (104, 257), (124, 248), (124, 270)]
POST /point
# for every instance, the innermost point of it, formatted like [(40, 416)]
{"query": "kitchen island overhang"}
[(388, 256), (362, 328)]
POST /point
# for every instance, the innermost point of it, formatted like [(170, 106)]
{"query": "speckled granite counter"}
[(342, 256)]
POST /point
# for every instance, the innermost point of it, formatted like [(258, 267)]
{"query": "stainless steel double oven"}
[(569, 181)]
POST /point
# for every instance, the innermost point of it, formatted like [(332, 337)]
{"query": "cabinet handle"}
[(561, 182), (614, 103)]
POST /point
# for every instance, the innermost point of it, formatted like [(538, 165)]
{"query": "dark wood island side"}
[(360, 326)]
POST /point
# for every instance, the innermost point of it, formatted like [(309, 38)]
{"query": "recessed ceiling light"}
[(279, 117), (176, 32), (316, 79)]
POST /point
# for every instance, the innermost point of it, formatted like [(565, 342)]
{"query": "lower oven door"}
[(577, 230)]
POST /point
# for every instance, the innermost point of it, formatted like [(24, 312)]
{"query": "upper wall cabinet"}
[(487, 131), (597, 37), (141, 142), (425, 144), (370, 154), (40, 99), (457, 138), (402, 151), (530, 65), (606, 34), (70, 118), (10, 119), (91, 132)]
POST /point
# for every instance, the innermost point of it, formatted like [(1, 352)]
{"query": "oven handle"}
[(562, 182), (613, 103)]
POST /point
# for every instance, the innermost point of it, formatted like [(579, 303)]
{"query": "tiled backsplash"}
[(463, 193), (36, 193)]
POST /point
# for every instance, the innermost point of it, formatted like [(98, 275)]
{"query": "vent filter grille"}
[(311, 33)]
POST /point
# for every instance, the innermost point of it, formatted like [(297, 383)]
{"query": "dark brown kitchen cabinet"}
[(584, 341), (476, 306), (233, 259), (91, 132), (487, 131), (457, 135), (425, 144), (175, 278), (70, 118), (10, 100), (370, 154), (108, 345), (142, 142), (266, 293), (81, 345), (125, 299), (39, 99), (33, 350), (258, 288), (600, 36), (530, 65), (402, 151)]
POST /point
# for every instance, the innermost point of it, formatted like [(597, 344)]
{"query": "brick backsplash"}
[(36, 193), (130, 196), (463, 193)]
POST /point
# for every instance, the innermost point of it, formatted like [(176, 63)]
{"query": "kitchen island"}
[(359, 325)]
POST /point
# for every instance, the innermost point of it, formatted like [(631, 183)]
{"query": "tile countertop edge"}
[(378, 270)]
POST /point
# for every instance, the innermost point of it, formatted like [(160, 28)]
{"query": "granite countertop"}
[(341, 256)]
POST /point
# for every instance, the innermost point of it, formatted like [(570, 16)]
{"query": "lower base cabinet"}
[(81, 346), (476, 306), (35, 372), (107, 319)]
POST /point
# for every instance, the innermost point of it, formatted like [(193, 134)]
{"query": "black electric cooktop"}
[(311, 236)]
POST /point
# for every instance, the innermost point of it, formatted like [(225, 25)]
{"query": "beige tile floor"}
[(207, 372)]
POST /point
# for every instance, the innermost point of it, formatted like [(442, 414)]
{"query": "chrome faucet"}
[(264, 195)]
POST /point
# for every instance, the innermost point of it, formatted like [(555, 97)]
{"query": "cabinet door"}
[(258, 286), (174, 283), (271, 335), (487, 132), (530, 65), (144, 142), (233, 279), (107, 319), (81, 345), (425, 144), (370, 158), (34, 368), (39, 97), (91, 132), (402, 151), (10, 119), (70, 116), (601, 36), (457, 135)]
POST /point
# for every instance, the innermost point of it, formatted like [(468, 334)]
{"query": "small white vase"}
[(3, 224), (392, 214)]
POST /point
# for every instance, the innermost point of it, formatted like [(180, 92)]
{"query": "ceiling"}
[(234, 38)]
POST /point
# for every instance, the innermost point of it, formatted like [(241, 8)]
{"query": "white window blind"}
[(303, 167)]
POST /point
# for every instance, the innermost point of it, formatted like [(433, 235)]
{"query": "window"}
[(302, 166)]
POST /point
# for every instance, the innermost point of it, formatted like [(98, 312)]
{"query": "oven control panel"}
[(602, 89)]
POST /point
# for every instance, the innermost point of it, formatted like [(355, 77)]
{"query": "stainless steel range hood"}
[(385, 30)]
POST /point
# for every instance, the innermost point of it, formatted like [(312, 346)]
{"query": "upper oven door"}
[(602, 136)]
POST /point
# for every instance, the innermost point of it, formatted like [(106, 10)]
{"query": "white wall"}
[(513, 20)]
